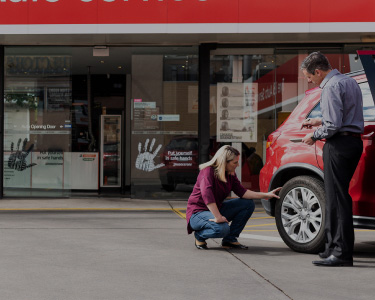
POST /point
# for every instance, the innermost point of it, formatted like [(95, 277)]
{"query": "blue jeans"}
[(237, 210)]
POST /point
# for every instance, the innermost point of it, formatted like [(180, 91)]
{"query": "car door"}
[(362, 187)]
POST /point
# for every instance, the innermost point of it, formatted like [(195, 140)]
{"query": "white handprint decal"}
[(145, 160)]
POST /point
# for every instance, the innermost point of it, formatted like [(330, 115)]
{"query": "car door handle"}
[(368, 136), (296, 140)]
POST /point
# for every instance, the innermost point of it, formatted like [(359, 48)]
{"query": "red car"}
[(298, 168)]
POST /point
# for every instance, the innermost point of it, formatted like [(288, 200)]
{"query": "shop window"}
[(254, 94), (180, 68), (164, 130), (243, 88), (37, 135)]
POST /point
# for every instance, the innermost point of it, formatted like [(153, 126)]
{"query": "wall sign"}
[(183, 12), (37, 65)]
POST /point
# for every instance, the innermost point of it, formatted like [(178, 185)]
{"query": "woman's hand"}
[(220, 219), (272, 194)]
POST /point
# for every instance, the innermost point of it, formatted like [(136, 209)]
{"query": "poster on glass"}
[(237, 112)]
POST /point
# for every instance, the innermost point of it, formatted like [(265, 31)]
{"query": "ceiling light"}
[(100, 51)]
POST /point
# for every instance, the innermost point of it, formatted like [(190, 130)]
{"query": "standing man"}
[(341, 125)]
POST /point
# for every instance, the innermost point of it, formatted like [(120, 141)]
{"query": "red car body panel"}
[(283, 152)]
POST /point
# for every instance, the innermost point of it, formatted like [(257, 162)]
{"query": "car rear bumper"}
[(364, 222), (269, 206)]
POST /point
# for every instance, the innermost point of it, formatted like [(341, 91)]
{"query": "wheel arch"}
[(289, 171)]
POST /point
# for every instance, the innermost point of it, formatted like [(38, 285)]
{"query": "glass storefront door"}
[(164, 122), (110, 147)]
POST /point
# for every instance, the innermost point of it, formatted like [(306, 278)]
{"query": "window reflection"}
[(37, 100), (276, 86), (368, 102), (164, 128)]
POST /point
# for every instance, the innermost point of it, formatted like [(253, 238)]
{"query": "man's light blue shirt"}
[(341, 104)]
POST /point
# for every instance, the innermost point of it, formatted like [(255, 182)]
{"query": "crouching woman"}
[(207, 214)]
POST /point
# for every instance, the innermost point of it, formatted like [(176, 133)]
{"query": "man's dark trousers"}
[(341, 155)]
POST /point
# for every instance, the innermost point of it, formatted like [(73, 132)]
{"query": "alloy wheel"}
[(301, 215)]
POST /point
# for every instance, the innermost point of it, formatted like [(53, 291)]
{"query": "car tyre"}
[(300, 214)]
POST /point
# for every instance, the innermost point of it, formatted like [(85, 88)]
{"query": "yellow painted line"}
[(180, 214), (261, 225), (369, 230), (87, 208), (255, 211), (184, 209), (259, 218), (364, 230), (259, 230)]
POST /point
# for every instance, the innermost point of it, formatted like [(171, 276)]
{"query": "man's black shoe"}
[(333, 261), (323, 255)]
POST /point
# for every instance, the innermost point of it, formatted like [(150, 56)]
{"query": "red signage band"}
[(34, 12), (366, 52)]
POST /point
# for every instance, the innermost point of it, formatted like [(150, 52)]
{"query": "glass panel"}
[(243, 88), (164, 140), (368, 105), (368, 102), (99, 86), (37, 122), (111, 149), (316, 112), (255, 94)]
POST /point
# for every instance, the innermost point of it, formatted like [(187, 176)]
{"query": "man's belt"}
[(349, 133)]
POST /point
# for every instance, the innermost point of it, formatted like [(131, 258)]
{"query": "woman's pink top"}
[(209, 189)]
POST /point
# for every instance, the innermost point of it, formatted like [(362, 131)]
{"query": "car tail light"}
[(272, 138)]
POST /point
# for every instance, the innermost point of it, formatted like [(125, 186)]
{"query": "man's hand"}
[(307, 139), (308, 123), (220, 219)]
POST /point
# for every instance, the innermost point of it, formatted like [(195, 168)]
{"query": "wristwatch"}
[(313, 138)]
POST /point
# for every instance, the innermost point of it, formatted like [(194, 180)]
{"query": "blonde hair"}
[(219, 162)]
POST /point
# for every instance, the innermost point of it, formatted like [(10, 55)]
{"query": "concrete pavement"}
[(108, 248), (88, 203)]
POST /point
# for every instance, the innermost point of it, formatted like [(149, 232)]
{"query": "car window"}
[(368, 105), (316, 112)]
